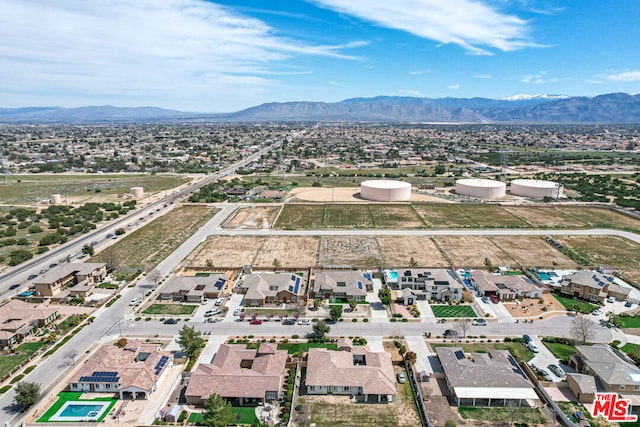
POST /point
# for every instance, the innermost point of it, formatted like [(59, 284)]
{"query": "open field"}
[(81, 188), (289, 251), (621, 253), (356, 251), (525, 248), (226, 251), (253, 217), (398, 251), (390, 215), (471, 251), (146, 247)]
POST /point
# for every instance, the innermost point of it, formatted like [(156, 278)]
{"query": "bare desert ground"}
[(253, 217), (289, 251), (398, 251)]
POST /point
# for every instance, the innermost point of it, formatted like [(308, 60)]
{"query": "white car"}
[(533, 347), (596, 312), (134, 301), (219, 301), (237, 311), (479, 322), (304, 322)]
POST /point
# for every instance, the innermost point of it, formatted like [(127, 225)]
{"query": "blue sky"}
[(226, 55)]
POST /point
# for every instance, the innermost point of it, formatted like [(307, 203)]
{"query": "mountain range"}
[(609, 108)]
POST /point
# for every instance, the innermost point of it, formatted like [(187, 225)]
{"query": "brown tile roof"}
[(16, 314), (240, 372), (337, 369), (263, 285)]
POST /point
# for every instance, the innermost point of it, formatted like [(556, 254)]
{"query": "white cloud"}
[(178, 52), (483, 76), (538, 78), (627, 76), (454, 86), (471, 24)]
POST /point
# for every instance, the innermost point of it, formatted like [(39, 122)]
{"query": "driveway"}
[(378, 310), (497, 311), (426, 313), (235, 301), (375, 343), (544, 358), (416, 344), (210, 349)]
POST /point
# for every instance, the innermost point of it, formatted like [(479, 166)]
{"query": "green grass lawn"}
[(171, 309), (247, 416), (628, 322), (298, 347), (559, 350), (453, 311), (570, 303), (8, 361), (72, 396), (509, 415), (518, 350)]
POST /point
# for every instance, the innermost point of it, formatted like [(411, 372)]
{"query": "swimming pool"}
[(80, 411), (394, 275), (544, 276)]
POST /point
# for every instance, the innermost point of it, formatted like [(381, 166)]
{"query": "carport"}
[(493, 396)]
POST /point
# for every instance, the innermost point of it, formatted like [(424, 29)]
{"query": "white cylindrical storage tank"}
[(481, 188), (137, 192), (385, 190), (536, 188), (56, 199)]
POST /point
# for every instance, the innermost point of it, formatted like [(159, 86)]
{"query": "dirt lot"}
[(357, 251), (545, 217), (530, 307), (289, 251), (253, 217), (471, 251), (398, 251), (523, 249), (226, 251)]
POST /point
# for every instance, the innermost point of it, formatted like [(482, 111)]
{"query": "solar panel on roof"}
[(295, 291), (459, 354), (360, 285), (367, 276)]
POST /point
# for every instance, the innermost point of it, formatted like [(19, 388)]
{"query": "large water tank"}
[(536, 188), (137, 192), (481, 188), (56, 199), (385, 190)]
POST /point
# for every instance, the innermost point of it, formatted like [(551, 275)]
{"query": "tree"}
[(72, 354), (464, 325), (413, 262), (155, 276), (190, 341), (320, 329), (335, 312), (316, 303), (26, 393), (110, 258), (88, 250), (583, 329), (410, 357), (353, 305), (487, 263), (217, 412), (120, 231), (276, 263), (385, 296)]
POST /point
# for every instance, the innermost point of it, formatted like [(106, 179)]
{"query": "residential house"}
[(582, 386), (193, 288), (485, 379), (72, 279), (240, 375), (612, 370), (429, 284), (341, 285), (586, 284), (132, 371), (503, 285), (353, 370), (270, 288), (19, 318)]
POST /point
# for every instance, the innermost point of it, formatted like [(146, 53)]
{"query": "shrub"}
[(354, 320), (29, 369), (5, 389), (405, 319), (231, 341), (146, 319), (365, 320), (295, 337), (393, 319), (138, 318)]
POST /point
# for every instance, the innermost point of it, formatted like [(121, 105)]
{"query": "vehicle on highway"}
[(289, 322), (304, 322), (32, 276), (170, 321), (557, 370), (479, 322), (212, 320), (53, 264), (401, 377), (95, 242), (256, 322), (134, 301), (110, 235), (14, 286)]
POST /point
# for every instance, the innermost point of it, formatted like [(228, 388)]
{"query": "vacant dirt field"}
[(289, 251), (471, 251), (253, 217), (602, 218), (226, 252), (530, 307), (395, 216), (356, 251), (545, 217), (524, 249), (398, 251)]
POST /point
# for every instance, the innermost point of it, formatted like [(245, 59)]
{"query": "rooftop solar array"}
[(220, 283), (359, 285), (367, 276), (163, 361), (459, 354), (296, 286), (100, 377)]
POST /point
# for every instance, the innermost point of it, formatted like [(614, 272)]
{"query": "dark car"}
[(33, 276), (289, 322), (450, 333), (557, 370), (170, 321), (256, 322), (55, 264), (14, 286), (527, 339)]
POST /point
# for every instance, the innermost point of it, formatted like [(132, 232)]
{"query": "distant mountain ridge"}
[(609, 108)]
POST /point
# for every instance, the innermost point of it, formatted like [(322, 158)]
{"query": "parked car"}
[(527, 339), (170, 321), (494, 299), (545, 374), (557, 370), (611, 299), (289, 322), (479, 322), (256, 322), (401, 377), (533, 347), (304, 322), (628, 304), (219, 301), (237, 312), (596, 312), (485, 300), (213, 312), (450, 333), (14, 286)]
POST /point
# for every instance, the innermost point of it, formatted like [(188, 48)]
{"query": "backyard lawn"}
[(247, 416), (453, 311), (305, 346), (518, 350), (171, 309), (508, 415), (559, 350), (575, 304), (22, 353)]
